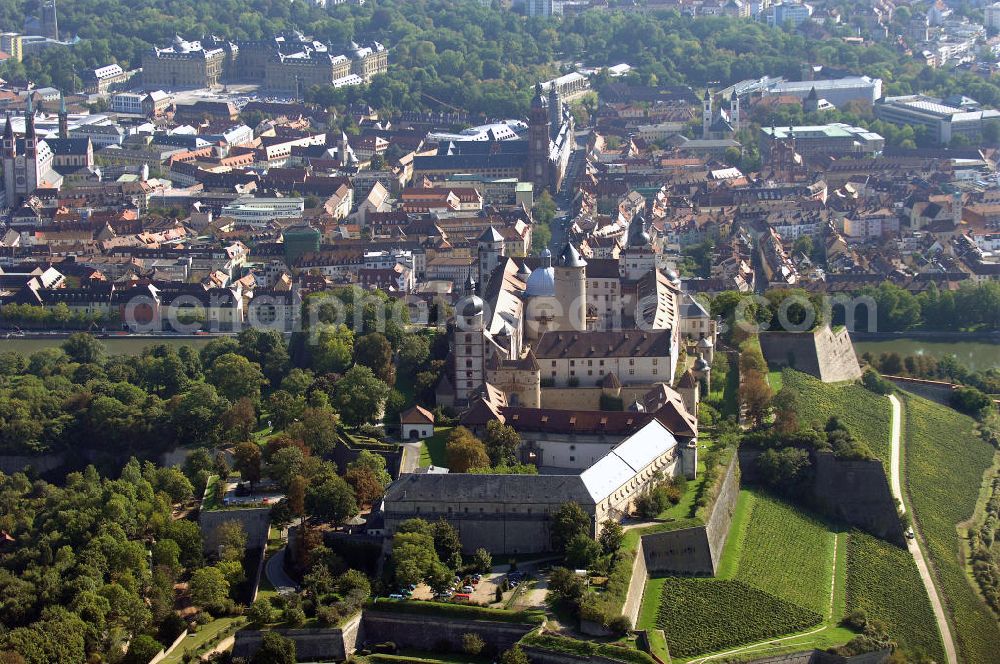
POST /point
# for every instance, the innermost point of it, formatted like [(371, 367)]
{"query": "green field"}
[(945, 462), (432, 452), (864, 413), (707, 615), (788, 554), (883, 581), (776, 555)]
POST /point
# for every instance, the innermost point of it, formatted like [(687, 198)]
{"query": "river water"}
[(976, 355)]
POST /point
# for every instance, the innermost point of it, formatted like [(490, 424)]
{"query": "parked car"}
[(395, 596), (909, 533), (468, 589), (461, 597)]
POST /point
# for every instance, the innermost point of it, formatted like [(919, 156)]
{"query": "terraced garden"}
[(788, 554), (706, 615), (884, 583), (775, 578), (945, 462), (863, 412)]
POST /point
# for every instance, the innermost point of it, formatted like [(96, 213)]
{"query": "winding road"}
[(911, 544)]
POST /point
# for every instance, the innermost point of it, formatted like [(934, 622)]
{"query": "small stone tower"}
[(489, 252), (811, 103), (734, 110), (571, 290), (469, 347)]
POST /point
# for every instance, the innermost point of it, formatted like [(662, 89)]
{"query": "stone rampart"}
[(855, 492), (332, 643), (695, 550), (633, 599), (538, 655), (255, 521), (934, 390), (823, 353), (437, 633)]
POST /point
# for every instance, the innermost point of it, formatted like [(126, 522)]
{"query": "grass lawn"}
[(731, 553), (775, 381), (864, 413), (945, 462), (432, 452), (198, 643), (658, 644), (883, 581)]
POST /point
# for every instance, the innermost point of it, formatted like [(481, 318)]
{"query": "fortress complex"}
[(512, 513), (287, 63), (566, 322)]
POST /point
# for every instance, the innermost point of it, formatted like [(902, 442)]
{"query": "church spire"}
[(9, 149), (63, 117), (29, 128)]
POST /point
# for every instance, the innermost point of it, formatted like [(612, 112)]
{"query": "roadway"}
[(913, 545)]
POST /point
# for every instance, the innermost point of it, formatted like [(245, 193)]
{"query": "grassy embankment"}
[(945, 462)]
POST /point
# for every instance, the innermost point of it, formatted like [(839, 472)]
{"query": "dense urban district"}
[(549, 332)]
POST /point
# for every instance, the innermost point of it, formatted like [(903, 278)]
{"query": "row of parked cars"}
[(461, 590)]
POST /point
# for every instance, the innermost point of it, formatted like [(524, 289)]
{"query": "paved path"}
[(411, 458), (276, 572), (911, 544)]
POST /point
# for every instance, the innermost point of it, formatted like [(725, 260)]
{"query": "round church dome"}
[(471, 306), (541, 282)]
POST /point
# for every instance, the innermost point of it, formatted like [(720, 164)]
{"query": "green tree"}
[(260, 613), (247, 460), (582, 551), (360, 396), (275, 649), (375, 352), (209, 589), (142, 649), (331, 500), (236, 377), (464, 451), (502, 443), (447, 544), (84, 348), (514, 656), (317, 429), (482, 561), (612, 535), (567, 522)]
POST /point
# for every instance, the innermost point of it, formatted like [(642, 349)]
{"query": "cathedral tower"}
[(539, 141)]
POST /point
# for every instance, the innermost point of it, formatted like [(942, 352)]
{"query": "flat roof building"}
[(831, 139), (944, 120)]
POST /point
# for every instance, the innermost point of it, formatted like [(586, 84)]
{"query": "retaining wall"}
[(633, 600), (934, 390), (695, 550), (541, 656), (438, 633), (332, 643), (855, 492), (255, 521)]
